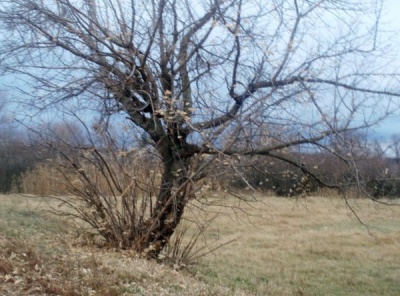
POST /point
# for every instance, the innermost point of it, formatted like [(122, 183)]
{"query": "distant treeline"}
[(23, 169), (376, 175), (27, 166)]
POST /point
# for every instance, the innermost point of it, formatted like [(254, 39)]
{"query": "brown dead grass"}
[(312, 246), (41, 255), (87, 271)]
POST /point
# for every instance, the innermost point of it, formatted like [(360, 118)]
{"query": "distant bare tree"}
[(215, 77)]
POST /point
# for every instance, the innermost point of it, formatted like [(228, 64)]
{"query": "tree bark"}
[(171, 200)]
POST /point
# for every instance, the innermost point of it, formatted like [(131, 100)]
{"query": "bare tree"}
[(223, 78)]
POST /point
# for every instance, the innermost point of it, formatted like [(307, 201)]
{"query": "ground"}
[(272, 246)]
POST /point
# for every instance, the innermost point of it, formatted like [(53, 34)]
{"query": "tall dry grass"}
[(43, 179), (57, 177)]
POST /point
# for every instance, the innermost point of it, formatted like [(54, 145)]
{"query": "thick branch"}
[(184, 56), (279, 83)]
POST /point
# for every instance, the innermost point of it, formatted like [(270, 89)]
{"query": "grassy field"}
[(312, 246)]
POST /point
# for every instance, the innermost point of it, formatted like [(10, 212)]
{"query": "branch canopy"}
[(207, 73)]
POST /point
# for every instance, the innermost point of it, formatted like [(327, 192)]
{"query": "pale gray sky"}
[(391, 18)]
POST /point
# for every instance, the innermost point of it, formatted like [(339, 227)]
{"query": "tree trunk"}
[(168, 211)]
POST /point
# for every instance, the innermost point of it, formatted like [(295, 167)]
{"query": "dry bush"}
[(120, 186), (111, 191)]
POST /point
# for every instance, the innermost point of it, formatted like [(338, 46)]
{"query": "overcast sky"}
[(392, 18)]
